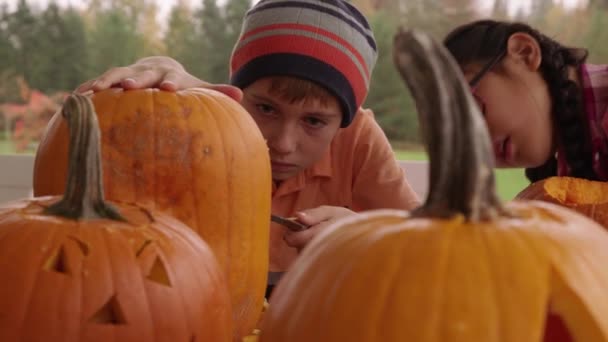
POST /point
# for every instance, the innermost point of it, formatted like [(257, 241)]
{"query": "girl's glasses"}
[(474, 82)]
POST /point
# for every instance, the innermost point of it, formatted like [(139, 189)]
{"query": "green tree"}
[(596, 36), (388, 97), (235, 12), (182, 39), (150, 30), (62, 54), (7, 50), (215, 53), (114, 40), (22, 30)]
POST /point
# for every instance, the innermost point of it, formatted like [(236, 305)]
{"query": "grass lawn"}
[(509, 182), (6, 147)]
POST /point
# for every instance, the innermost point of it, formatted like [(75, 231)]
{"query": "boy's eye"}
[(314, 122), (264, 108)]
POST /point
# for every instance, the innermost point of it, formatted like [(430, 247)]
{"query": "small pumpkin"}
[(195, 154), (77, 268), (587, 197), (463, 266)]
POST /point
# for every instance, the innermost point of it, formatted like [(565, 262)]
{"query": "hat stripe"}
[(304, 46), (338, 29), (343, 7), (333, 11), (310, 32)]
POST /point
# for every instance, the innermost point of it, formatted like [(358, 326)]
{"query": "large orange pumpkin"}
[(588, 197), (197, 155), (80, 269), (463, 267)]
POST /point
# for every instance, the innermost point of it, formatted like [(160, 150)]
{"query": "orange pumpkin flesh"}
[(79, 269), (463, 267), (587, 197), (198, 156)]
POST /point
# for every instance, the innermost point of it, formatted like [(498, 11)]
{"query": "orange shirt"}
[(359, 171)]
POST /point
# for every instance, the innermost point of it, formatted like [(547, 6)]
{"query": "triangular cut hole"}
[(193, 338), (158, 273), (57, 262), (556, 330), (110, 313), (141, 248), (84, 248)]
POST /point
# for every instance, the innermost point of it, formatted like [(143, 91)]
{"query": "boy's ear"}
[(524, 48)]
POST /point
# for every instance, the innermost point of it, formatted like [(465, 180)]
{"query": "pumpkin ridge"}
[(246, 301), (32, 288), (494, 281)]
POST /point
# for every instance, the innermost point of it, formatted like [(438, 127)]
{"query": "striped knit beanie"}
[(328, 42)]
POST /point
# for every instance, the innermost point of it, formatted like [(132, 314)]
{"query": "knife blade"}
[(290, 223)]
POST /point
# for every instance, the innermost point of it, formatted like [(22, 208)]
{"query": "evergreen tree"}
[(61, 56), (388, 97), (7, 50), (114, 41), (215, 57), (182, 39), (235, 12), (22, 31)]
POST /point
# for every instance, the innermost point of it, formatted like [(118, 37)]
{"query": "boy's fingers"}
[(84, 87), (317, 215), (112, 77), (148, 78), (310, 217), (299, 239)]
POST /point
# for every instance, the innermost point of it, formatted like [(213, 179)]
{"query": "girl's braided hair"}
[(480, 41)]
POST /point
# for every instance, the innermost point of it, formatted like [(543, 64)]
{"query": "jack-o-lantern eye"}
[(154, 270), (58, 260), (158, 272)]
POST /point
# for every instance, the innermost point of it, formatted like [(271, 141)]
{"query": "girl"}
[(546, 109)]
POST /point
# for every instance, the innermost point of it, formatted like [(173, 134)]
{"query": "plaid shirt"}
[(595, 97)]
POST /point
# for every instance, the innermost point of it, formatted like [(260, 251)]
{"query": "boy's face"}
[(297, 133)]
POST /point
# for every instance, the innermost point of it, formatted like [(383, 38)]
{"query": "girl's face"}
[(514, 98)]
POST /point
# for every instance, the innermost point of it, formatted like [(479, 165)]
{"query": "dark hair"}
[(483, 40)]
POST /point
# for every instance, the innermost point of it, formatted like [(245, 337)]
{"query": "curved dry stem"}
[(83, 197), (453, 128)]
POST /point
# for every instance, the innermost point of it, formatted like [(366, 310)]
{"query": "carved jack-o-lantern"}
[(195, 154), (79, 269), (589, 198)]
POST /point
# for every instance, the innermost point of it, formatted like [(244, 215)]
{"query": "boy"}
[(302, 69)]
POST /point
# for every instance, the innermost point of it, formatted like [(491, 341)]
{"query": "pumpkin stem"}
[(83, 198), (456, 138)]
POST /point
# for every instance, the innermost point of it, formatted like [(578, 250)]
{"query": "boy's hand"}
[(154, 72), (318, 219)]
